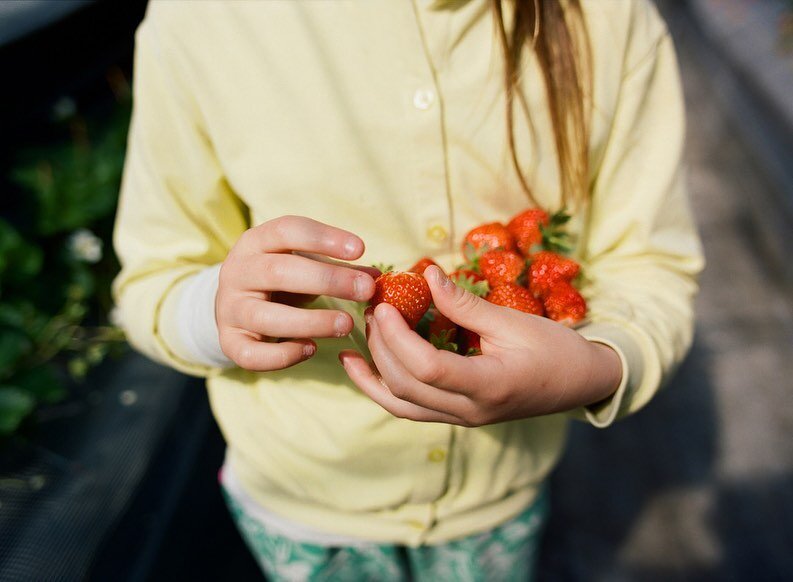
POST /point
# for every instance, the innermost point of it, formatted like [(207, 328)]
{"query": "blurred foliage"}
[(56, 259)]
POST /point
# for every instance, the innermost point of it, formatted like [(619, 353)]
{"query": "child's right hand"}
[(263, 262)]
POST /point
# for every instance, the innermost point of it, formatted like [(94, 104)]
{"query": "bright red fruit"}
[(565, 304), (525, 227), (494, 235), (547, 269), (422, 264), (408, 292), (501, 267), (516, 297), (440, 323)]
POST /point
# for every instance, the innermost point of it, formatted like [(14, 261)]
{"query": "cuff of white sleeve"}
[(605, 412), (191, 331)]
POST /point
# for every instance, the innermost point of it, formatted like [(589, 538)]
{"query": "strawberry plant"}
[(56, 262)]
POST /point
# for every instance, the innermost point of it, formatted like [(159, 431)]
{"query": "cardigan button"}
[(437, 233), (423, 99), (436, 456)]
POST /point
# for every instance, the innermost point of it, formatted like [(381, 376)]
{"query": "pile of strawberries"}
[(520, 265)]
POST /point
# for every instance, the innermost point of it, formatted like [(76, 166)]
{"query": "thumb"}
[(462, 307)]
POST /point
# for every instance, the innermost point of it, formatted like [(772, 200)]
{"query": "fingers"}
[(424, 362), (298, 233), (260, 356), (276, 320), (403, 385), (361, 373), (297, 274), (462, 307)]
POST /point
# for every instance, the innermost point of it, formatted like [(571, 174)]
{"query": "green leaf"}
[(15, 405), (467, 282), (443, 340)]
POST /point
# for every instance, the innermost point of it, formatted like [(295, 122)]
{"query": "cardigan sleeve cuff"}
[(188, 325), (602, 414)]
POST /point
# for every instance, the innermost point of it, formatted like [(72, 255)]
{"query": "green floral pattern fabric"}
[(506, 553)]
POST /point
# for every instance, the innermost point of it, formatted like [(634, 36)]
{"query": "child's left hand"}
[(529, 365)]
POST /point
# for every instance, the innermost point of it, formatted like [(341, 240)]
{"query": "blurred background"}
[(108, 461)]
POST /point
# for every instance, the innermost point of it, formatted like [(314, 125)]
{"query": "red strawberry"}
[(547, 269), (501, 267), (408, 292), (493, 235), (439, 324), (516, 297), (422, 264), (565, 304), (526, 228)]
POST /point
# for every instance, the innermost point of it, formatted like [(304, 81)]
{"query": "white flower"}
[(85, 246)]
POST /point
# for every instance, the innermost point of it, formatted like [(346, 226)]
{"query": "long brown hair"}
[(556, 32)]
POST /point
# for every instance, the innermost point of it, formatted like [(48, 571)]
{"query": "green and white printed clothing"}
[(508, 552)]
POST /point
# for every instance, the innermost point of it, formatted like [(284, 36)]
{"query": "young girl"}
[(276, 147)]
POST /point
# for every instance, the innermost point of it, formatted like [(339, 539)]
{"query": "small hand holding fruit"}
[(529, 365), (269, 273)]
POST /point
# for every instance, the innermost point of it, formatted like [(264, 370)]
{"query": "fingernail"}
[(443, 281), (351, 247), (308, 350), (340, 325), (359, 288)]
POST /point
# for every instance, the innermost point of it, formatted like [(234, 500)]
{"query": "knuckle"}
[(474, 418), (271, 271), (495, 398), (258, 318), (399, 414), (247, 237), (467, 302), (279, 230), (399, 389), (429, 371), (245, 357), (333, 278)]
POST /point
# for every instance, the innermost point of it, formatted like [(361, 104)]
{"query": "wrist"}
[(605, 373)]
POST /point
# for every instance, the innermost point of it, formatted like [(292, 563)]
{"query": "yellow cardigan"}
[(387, 119)]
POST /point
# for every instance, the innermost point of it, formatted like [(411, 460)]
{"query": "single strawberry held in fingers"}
[(493, 235), (565, 304), (408, 292), (516, 297), (547, 269), (501, 267), (526, 228)]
